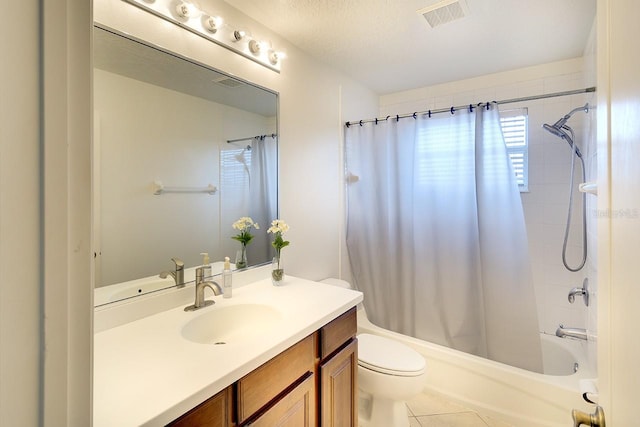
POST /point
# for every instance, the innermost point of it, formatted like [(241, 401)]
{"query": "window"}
[(515, 130), (235, 165)]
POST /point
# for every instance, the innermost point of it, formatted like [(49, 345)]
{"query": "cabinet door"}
[(338, 388), (258, 388), (214, 412), (296, 409)]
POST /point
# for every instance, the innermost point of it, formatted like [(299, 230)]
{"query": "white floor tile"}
[(431, 404)]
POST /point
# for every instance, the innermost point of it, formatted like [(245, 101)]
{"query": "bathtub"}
[(513, 395)]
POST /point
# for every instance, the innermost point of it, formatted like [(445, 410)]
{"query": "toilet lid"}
[(388, 356)]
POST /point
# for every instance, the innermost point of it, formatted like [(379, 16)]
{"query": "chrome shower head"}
[(560, 128), (557, 131), (561, 132)]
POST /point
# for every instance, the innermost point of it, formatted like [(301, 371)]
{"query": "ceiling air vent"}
[(228, 82), (444, 11)]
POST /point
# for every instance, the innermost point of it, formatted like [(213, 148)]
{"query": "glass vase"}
[(241, 258), (277, 271)]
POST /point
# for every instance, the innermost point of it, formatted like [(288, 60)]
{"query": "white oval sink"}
[(231, 323)]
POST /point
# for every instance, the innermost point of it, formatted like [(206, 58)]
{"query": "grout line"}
[(411, 414)]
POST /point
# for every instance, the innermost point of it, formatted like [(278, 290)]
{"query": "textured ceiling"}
[(389, 47)]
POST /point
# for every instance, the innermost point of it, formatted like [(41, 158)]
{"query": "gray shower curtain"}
[(436, 234), (263, 195)]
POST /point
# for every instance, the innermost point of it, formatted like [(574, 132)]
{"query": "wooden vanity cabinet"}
[(280, 386), (214, 412), (296, 408), (338, 406), (312, 383)]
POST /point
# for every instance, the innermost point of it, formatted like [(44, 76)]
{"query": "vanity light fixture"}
[(275, 57), (186, 15), (185, 10), (255, 47), (211, 23), (238, 35)]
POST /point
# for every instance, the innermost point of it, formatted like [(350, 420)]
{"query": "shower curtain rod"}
[(472, 106), (251, 138)]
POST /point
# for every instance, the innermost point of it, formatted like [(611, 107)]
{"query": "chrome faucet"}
[(177, 274), (578, 333), (200, 286)]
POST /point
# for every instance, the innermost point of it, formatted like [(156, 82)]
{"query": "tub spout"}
[(577, 333)]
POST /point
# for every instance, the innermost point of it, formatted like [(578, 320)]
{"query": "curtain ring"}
[(397, 118), (376, 120), (387, 118), (415, 115), (452, 110), (488, 106), (348, 124), (429, 113), (360, 122), (470, 108)]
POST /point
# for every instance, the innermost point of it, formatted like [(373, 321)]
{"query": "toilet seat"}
[(389, 357)]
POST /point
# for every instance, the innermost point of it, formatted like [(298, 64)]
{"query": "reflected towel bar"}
[(158, 188)]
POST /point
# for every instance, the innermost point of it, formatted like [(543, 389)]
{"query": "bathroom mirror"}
[(181, 151)]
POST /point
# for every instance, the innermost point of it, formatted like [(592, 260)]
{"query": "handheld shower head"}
[(556, 130), (562, 133), (560, 128)]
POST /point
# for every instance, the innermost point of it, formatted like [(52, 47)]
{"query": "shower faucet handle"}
[(583, 291)]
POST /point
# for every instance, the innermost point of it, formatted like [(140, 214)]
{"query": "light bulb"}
[(255, 47), (183, 10), (274, 56), (238, 35), (212, 23)]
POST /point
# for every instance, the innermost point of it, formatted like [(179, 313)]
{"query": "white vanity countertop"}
[(146, 373)]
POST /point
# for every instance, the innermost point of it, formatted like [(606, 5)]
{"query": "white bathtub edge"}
[(512, 395)]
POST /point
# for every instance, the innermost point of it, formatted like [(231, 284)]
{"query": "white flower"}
[(278, 226), (245, 223)]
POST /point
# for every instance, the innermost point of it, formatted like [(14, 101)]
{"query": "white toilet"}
[(389, 374)]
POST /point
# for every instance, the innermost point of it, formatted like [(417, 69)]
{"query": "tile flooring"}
[(431, 410)]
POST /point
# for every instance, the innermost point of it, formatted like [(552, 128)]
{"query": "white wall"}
[(149, 133), (20, 296), (546, 203), (45, 264), (314, 100)]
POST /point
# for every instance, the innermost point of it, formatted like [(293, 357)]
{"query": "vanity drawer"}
[(261, 386), (337, 332), (214, 412)]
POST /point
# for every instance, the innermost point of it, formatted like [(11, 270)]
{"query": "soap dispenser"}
[(206, 267), (227, 287)]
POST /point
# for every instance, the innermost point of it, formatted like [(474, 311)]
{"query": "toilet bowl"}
[(389, 374)]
